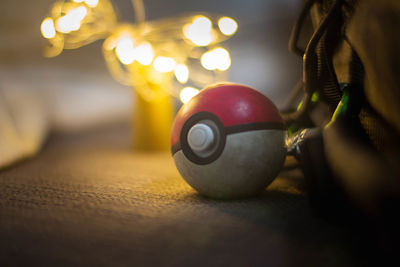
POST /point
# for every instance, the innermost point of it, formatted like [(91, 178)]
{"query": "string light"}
[(47, 28), (92, 3), (188, 93), (125, 50), (181, 73), (145, 54), (227, 25), (199, 31), (216, 59), (164, 64), (72, 20)]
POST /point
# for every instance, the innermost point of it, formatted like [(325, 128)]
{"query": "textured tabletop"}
[(88, 199)]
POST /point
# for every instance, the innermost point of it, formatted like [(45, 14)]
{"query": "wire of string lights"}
[(177, 54)]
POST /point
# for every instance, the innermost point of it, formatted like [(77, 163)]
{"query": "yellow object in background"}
[(158, 59), (153, 114), (152, 123)]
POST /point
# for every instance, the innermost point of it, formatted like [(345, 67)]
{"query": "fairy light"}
[(144, 53), (181, 73), (125, 50), (47, 28), (145, 56), (216, 59), (199, 31), (188, 93), (92, 3), (227, 25), (72, 20), (164, 64), (223, 59)]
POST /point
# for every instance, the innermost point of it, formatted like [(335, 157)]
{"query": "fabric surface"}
[(88, 200)]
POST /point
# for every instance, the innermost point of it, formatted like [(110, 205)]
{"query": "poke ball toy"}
[(228, 141)]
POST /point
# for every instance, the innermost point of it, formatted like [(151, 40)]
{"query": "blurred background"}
[(75, 91)]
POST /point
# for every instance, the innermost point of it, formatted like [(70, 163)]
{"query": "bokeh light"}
[(181, 73), (125, 50), (72, 20), (188, 93), (91, 3), (47, 28), (227, 25), (144, 53), (164, 64), (199, 31), (216, 59)]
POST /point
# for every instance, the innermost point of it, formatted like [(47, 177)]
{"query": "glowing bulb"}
[(188, 93), (218, 58), (144, 54), (202, 23), (227, 25), (125, 50), (199, 31), (223, 58), (72, 20), (164, 64), (92, 3), (208, 61), (182, 73), (47, 28)]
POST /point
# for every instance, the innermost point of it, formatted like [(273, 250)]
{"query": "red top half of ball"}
[(233, 104)]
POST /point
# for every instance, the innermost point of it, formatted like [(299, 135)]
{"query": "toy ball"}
[(228, 141)]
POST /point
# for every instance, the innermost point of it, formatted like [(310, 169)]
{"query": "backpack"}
[(350, 110)]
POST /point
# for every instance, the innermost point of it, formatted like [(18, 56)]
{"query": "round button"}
[(201, 137)]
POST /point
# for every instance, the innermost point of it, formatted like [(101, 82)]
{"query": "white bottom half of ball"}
[(248, 164)]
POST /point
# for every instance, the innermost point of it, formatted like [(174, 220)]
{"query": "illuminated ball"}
[(228, 141)]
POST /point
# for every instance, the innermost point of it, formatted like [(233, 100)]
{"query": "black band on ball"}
[(222, 133)]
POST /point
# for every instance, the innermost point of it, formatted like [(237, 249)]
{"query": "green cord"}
[(343, 106)]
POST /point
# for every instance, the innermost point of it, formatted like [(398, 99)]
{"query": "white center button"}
[(201, 137)]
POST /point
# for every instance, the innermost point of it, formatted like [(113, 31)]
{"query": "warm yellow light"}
[(181, 73), (144, 54), (202, 23), (227, 25), (92, 3), (164, 64), (224, 59), (125, 50), (188, 93), (216, 59), (207, 61), (47, 28), (72, 20), (199, 31)]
